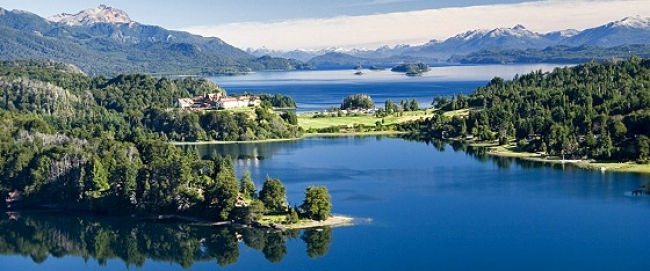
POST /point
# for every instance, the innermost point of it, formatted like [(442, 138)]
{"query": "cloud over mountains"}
[(417, 27)]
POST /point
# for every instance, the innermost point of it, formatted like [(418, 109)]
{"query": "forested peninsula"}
[(75, 142), (595, 112)]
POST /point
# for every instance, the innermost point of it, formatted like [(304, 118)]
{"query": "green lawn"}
[(609, 166), (460, 113), (308, 121), (277, 219)]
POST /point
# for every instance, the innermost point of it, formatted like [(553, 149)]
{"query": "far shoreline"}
[(304, 136), (495, 150), (624, 167)]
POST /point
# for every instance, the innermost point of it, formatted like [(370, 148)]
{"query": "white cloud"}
[(416, 27), (377, 2)]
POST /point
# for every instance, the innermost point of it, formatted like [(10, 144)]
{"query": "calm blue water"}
[(454, 211), (417, 207), (322, 89), (432, 210)]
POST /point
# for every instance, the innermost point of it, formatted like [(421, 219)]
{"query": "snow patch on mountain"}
[(632, 22), (101, 14)]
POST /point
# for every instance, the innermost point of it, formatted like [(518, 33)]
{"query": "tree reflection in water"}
[(40, 236), (318, 241), (480, 153)]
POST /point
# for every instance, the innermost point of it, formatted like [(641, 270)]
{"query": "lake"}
[(322, 89), (416, 205)]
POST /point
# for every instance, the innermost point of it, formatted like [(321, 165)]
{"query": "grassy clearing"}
[(459, 113), (241, 109), (632, 167), (618, 167), (308, 121), (277, 219), (510, 151)]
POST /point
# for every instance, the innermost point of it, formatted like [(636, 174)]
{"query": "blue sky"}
[(316, 24), (180, 14)]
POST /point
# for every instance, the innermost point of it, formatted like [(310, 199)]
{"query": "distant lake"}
[(321, 89), (418, 207)]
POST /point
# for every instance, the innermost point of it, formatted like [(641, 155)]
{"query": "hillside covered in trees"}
[(107, 48), (562, 54), (592, 111), (102, 144), (82, 105)]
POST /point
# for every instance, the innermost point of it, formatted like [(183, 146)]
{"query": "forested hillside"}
[(101, 144), (594, 111), (108, 48), (555, 54)]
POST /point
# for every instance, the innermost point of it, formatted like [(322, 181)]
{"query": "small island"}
[(412, 69)]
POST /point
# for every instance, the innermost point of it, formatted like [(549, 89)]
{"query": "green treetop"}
[(357, 101), (274, 195), (246, 185), (318, 203)]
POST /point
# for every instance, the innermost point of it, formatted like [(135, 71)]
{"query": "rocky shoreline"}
[(333, 221)]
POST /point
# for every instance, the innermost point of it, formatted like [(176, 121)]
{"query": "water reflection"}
[(503, 162), (252, 152), (480, 154), (43, 235), (257, 155)]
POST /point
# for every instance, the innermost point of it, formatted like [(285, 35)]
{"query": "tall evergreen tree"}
[(247, 186), (274, 195), (318, 203)]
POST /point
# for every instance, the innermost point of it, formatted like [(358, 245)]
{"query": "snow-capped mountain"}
[(299, 54), (629, 30), (558, 36), (305, 55), (101, 14), (105, 40), (517, 37)]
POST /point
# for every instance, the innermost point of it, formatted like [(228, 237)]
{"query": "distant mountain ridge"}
[(632, 30), (629, 30), (104, 40)]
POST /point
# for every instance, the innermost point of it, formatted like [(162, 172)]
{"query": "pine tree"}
[(247, 186)]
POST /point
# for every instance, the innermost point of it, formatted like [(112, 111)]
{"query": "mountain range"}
[(628, 31), (104, 40)]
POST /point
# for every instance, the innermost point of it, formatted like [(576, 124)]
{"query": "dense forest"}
[(71, 101), (101, 144), (591, 111)]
